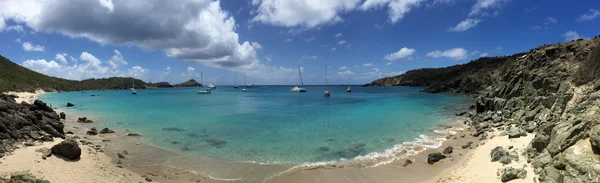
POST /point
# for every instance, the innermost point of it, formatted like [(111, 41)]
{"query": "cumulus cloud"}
[(482, 5), (590, 15), (194, 30), (571, 35), (454, 53), (400, 54), (485, 54), (367, 65), (333, 49), (165, 73), (61, 57), (27, 46), (310, 39), (341, 42), (256, 46), (388, 63), (465, 25), (397, 9), (343, 67), (301, 13), (338, 35), (16, 28)]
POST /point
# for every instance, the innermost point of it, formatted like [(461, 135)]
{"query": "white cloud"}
[(61, 57), (301, 13), (30, 47), (551, 20), (590, 15), (388, 63), (367, 65), (482, 5), (310, 39), (117, 58), (499, 48), (165, 73), (288, 40), (465, 25), (474, 52), (192, 73), (2, 23), (73, 59), (338, 35), (396, 8), (310, 57), (343, 68), (107, 4), (571, 35), (17, 28), (256, 46), (547, 22), (485, 54), (333, 48), (90, 67), (346, 73), (342, 42), (454, 53), (400, 54), (18, 40)]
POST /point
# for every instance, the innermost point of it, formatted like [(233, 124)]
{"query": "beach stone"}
[(92, 131), (216, 142), (148, 179), (448, 150), (44, 151), (515, 132), (84, 120), (407, 162), (510, 173), (29, 143), (69, 104), (47, 138), (120, 155), (106, 130), (23, 177), (133, 135), (68, 149), (503, 156), (435, 157), (63, 115), (467, 145), (69, 132)]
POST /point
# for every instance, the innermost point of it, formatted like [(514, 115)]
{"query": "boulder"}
[(63, 115), (595, 137), (435, 157), (23, 177), (68, 149), (106, 130), (84, 120), (448, 150), (515, 132), (467, 145), (133, 134), (69, 104), (503, 156), (510, 173), (92, 131)]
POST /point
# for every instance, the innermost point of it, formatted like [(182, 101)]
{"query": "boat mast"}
[(201, 78), (235, 80), (348, 81), (326, 86), (245, 80), (300, 75)]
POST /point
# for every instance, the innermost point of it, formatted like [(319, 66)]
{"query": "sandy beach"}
[(462, 165)]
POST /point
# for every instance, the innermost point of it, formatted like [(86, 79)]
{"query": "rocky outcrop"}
[(23, 177), (68, 149), (503, 156), (552, 91), (435, 157), (26, 122), (510, 173), (188, 83)]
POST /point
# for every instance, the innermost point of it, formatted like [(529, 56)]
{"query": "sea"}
[(269, 125)]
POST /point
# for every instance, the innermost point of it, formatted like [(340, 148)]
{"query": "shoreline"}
[(385, 172)]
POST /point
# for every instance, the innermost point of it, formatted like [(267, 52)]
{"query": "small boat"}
[(245, 86), (133, 91), (235, 81), (204, 90), (211, 86), (348, 89), (250, 85), (299, 88), (326, 93)]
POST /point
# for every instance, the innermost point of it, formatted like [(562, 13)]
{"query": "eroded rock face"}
[(27, 122)]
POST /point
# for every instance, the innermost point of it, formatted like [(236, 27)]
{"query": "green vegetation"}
[(14, 77)]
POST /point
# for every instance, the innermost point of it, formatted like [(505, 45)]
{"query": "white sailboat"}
[(326, 93), (299, 88), (211, 86), (133, 91), (245, 86), (235, 81), (348, 89), (205, 90)]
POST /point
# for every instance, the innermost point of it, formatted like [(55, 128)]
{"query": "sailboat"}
[(348, 89), (205, 90), (235, 81), (299, 88), (244, 89), (133, 91), (211, 86), (326, 93)]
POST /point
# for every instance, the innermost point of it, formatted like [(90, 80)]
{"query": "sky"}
[(270, 40)]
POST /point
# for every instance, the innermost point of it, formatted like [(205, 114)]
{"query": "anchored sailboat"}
[(348, 89), (326, 93), (205, 90), (235, 81), (299, 88), (245, 86), (133, 91)]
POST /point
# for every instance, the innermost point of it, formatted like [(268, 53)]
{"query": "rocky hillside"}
[(14, 77), (26, 123), (188, 83), (163, 84), (552, 90)]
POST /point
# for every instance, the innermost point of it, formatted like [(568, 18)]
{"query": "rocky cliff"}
[(552, 90), (26, 122)]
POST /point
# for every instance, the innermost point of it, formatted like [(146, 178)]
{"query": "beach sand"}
[(26, 96), (463, 165)]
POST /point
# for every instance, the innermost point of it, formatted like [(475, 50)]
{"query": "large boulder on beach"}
[(435, 157), (63, 115), (92, 131), (503, 156), (106, 130), (510, 173), (68, 149), (69, 104), (84, 120)]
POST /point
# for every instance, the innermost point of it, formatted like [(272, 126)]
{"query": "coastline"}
[(140, 162)]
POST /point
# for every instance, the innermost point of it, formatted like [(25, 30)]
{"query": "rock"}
[(120, 155), (68, 149), (448, 150), (435, 157), (44, 151), (29, 143), (148, 179), (125, 152), (515, 132), (92, 131), (23, 177), (407, 162), (47, 138), (69, 132), (530, 128), (84, 120), (217, 142), (173, 129), (503, 156), (69, 104), (467, 145), (133, 135), (595, 137), (510, 173), (323, 148), (106, 130), (63, 115)]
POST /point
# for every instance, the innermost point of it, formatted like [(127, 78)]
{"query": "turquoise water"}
[(270, 124)]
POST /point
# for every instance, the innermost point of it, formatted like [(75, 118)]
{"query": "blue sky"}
[(358, 39)]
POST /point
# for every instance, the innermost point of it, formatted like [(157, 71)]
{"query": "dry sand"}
[(92, 166), (26, 96)]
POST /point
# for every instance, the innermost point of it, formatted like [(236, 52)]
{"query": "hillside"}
[(162, 84), (552, 90), (14, 77), (188, 83)]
